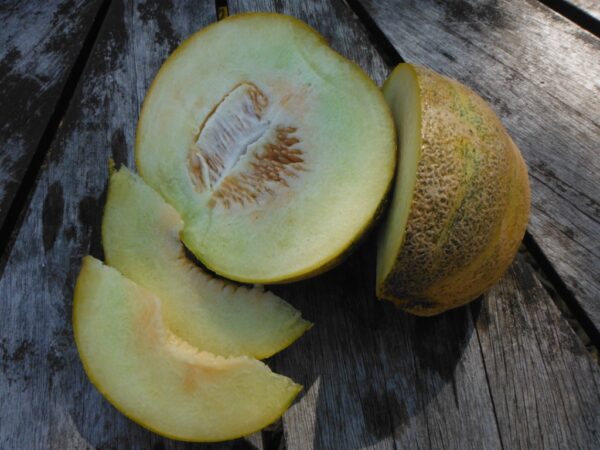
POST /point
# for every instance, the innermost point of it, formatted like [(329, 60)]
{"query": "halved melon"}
[(276, 151), (140, 234), (160, 381), (461, 201)]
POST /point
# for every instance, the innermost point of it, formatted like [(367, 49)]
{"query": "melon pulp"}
[(160, 381), (276, 151), (460, 204), (140, 234)]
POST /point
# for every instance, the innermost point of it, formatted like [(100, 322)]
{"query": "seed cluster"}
[(224, 159), (277, 162)]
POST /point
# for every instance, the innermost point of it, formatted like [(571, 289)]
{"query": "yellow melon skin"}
[(454, 228)]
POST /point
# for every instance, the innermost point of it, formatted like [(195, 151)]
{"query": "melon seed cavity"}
[(242, 156)]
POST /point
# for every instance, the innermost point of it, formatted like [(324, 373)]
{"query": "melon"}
[(276, 151), (460, 204), (159, 380), (140, 234)]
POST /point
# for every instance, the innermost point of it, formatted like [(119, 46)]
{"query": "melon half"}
[(276, 151), (140, 235), (157, 379), (460, 204)]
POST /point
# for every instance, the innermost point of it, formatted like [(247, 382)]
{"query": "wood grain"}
[(545, 387), (39, 43), (378, 378), (46, 400), (373, 375), (540, 73)]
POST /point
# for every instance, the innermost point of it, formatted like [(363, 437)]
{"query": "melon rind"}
[(468, 208)]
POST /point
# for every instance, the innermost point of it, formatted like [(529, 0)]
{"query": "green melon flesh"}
[(159, 380), (276, 151), (406, 108), (140, 233)]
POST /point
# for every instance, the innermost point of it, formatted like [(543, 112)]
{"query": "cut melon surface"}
[(405, 103), (460, 204), (160, 381), (140, 234), (276, 151)]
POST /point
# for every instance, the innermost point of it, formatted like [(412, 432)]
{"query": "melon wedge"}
[(140, 234), (276, 151), (460, 204), (160, 381)]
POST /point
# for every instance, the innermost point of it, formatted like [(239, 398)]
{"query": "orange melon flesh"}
[(460, 204), (140, 234), (276, 151), (160, 381)]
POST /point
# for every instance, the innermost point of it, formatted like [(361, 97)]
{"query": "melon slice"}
[(276, 151), (140, 234), (160, 381), (461, 200)]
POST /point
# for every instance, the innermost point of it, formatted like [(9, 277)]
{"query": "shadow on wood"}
[(368, 368)]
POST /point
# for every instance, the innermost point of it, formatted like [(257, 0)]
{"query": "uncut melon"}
[(140, 235), (460, 203), (157, 379), (276, 150)]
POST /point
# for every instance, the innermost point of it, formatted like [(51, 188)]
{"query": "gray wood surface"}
[(540, 376), (540, 72), (46, 401), (478, 377), (39, 43), (505, 371)]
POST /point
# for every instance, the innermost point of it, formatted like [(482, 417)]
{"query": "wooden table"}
[(516, 369)]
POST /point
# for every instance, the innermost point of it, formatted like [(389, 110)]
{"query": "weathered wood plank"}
[(378, 378), (428, 374), (39, 43), (46, 401), (540, 73), (545, 387)]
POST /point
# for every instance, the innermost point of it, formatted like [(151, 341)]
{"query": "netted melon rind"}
[(470, 204)]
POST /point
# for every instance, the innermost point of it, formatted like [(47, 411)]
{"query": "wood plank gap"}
[(384, 47), (222, 9), (18, 206), (574, 14), (487, 376), (273, 437), (565, 299)]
